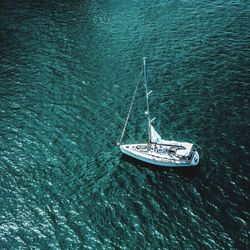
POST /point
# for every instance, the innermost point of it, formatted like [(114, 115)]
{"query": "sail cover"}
[(155, 137)]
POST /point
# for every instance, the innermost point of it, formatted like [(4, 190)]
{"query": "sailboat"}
[(157, 151)]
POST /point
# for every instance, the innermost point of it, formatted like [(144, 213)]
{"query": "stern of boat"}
[(195, 159)]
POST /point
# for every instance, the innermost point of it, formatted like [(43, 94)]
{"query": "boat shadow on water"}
[(187, 172)]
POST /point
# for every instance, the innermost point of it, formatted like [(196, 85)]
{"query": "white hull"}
[(160, 159)]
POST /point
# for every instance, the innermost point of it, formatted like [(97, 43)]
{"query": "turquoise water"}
[(68, 71)]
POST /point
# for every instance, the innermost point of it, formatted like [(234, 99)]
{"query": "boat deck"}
[(171, 154)]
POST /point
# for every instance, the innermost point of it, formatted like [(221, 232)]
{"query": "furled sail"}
[(155, 137)]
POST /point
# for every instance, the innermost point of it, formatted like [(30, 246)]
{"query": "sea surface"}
[(68, 70)]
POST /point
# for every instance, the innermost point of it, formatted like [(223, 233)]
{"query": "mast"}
[(147, 94)]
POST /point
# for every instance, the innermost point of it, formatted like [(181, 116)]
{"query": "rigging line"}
[(130, 109)]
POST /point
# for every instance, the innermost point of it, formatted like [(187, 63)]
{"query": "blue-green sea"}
[(68, 70)]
